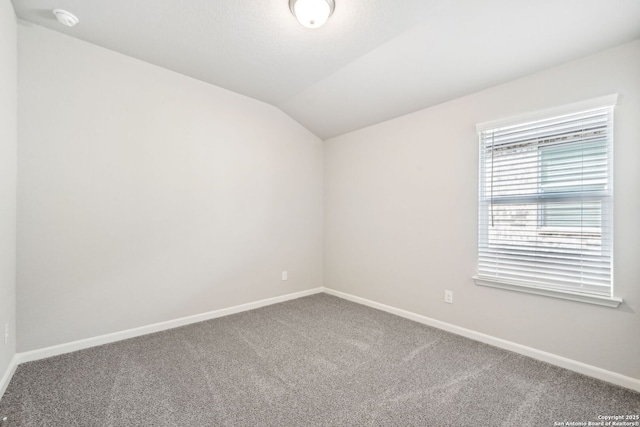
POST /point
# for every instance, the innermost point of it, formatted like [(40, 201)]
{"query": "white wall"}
[(401, 215), (8, 164), (146, 196)]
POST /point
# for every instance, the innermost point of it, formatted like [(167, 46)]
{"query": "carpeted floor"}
[(314, 361)]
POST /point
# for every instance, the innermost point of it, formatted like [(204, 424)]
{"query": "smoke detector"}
[(65, 18)]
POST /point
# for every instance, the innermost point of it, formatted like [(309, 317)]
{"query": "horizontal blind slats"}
[(545, 202)]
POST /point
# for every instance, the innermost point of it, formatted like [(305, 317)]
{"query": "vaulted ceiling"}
[(373, 60)]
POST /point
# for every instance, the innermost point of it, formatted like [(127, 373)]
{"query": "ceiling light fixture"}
[(312, 13), (65, 18)]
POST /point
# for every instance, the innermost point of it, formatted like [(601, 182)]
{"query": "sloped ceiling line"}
[(371, 62)]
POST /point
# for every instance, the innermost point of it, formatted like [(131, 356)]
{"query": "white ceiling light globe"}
[(312, 13)]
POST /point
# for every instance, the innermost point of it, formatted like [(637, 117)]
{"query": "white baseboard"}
[(553, 359), (6, 378), (573, 365), (56, 350)]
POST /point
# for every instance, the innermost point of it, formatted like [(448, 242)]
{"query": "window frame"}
[(483, 216)]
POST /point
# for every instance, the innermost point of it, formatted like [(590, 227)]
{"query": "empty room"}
[(319, 213)]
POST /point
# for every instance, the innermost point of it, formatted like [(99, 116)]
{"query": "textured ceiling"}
[(373, 60)]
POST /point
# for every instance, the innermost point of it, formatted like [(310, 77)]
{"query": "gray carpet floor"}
[(314, 361)]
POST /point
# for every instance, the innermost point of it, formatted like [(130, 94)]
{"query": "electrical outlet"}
[(448, 297), (6, 332), (285, 275)]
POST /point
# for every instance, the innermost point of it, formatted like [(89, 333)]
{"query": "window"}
[(545, 204)]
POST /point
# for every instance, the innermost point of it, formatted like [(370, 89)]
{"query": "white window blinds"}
[(545, 203)]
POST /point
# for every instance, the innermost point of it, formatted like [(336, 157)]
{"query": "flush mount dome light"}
[(65, 18), (312, 13)]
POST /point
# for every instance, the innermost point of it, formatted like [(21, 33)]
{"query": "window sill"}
[(530, 289)]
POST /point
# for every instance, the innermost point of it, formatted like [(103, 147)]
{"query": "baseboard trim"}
[(553, 359), (56, 350), (563, 362), (6, 378)]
